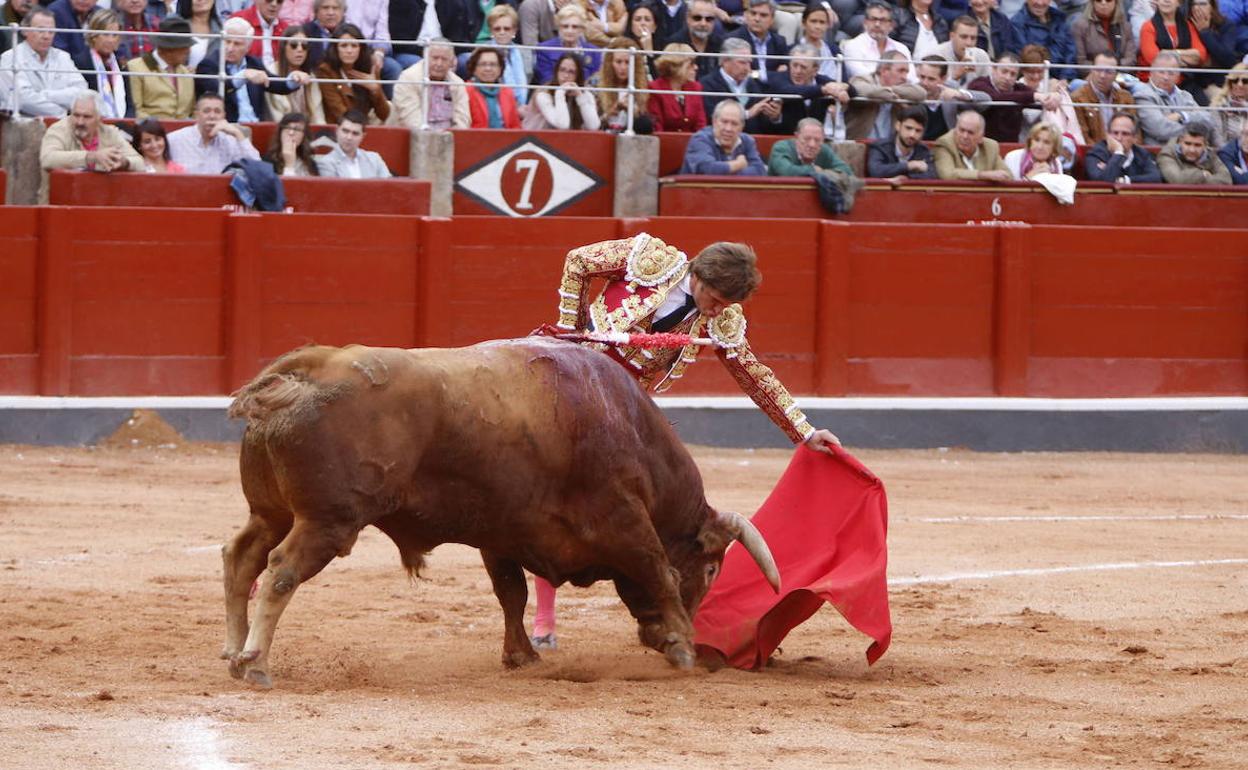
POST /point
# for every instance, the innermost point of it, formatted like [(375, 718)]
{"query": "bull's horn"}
[(752, 539)]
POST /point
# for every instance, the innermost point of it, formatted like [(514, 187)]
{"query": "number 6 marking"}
[(528, 165)]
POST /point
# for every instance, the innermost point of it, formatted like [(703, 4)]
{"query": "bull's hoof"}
[(259, 679), (681, 656), (520, 658)]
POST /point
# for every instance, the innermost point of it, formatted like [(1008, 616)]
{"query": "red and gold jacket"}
[(640, 272)]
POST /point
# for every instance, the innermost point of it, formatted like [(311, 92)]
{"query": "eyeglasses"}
[(700, 17), (297, 43), (880, 19), (1236, 81)]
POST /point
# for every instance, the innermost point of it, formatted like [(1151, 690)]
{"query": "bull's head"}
[(717, 533)]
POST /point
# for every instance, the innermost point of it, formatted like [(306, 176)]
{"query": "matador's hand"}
[(821, 440)]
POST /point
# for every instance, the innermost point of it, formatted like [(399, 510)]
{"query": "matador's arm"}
[(760, 383), (603, 259)]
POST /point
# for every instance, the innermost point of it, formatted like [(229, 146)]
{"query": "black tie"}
[(676, 316)]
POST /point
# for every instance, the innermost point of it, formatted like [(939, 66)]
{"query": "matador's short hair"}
[(729, 268)]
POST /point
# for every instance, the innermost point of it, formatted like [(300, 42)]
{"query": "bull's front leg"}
[(513, 594), (651, 590)]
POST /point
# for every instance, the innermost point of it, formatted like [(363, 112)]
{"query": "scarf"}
[(492, 109), (1054, 166), (1164, 41), (110, 84)]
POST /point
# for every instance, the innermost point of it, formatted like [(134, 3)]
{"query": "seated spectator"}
[(348, 160), (762, 114), (819, 96), (101, 68), (1038, 23), (805, 153), (1063, 116), (817, 20), (135, 18), (1102, 28), (920, 28), (46, 79), (448, 99), (722, 148), (873, 118), (943, 96), (996, 33), (863, 53), (1234, 156), (205, 23), (152, 145), (1039, 155), (12, 12), (266, 30), (1103, 94), (537, 20), (1190, 159), (1166, 109), (613, 105), (564, 103), (290, 151), (670, 17), (1005, 122), (1221, 38), (640, 29), (213, 142), (1170, 31), (351, 60), (571, 21), (247, 79), (70, 14), (81, 140), (1228, 122), (306, 98), (294, 12), (906, 157), (156, 93), (372, 19), (327, 16), (682, 111), (757, 32), (964, 153), (503, 22), (1118, 157), (699, 33), (606, 19), (460, 21), (966, 60), (491, 104), (407, 23)]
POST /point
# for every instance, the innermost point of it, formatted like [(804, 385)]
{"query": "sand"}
[(111, 621)]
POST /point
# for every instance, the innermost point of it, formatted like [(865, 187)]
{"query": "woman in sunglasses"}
[(205, 23), (305, 99), (1229, 124)]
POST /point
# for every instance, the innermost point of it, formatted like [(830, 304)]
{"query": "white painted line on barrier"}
[(1125, 517), (1040, 571), (987, 403)]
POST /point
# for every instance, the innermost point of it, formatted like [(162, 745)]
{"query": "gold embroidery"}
[(652, 262), (728, 328)]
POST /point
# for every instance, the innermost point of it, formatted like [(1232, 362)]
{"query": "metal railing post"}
[(221, 64), (632, 85), (17, 92)]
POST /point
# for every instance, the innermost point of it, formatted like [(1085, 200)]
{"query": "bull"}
[(544, 455)]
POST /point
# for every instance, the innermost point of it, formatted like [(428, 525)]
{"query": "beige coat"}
[(598, 33), (154, 95), (409, 105), (949, 163), (1176, 169), (61, 149), (860, 116)]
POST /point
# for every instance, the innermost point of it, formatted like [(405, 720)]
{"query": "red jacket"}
[(506, 103), (667, 112), (257, 44)]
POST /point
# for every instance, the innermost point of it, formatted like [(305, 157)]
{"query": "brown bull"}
[(544, 455)]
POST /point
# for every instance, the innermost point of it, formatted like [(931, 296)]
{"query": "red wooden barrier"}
[(303, 194), (140, 301), (1096, 203), (534, 173)]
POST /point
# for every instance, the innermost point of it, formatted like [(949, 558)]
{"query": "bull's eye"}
[(711, 571)]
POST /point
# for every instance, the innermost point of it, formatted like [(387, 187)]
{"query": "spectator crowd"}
[(1145, 91)]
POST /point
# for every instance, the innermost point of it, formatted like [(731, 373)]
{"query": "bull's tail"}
[(281, 384)]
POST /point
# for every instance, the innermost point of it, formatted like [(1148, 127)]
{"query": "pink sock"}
[(544, 618)]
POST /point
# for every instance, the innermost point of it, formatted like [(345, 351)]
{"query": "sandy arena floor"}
[(111, 621)]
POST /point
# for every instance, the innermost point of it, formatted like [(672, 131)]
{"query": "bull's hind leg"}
[(513, 593), (301, 555), (243, 560)]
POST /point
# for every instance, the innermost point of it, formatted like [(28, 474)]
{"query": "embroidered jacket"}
[(640, 273)]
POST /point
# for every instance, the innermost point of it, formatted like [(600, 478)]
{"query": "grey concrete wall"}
[(636, 176), (19, 156), (433, 159)]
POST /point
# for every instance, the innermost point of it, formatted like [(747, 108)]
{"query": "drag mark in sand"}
[(1040, 571), (200, 744)]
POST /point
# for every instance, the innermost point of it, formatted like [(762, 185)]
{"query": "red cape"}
[(826, 523)]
